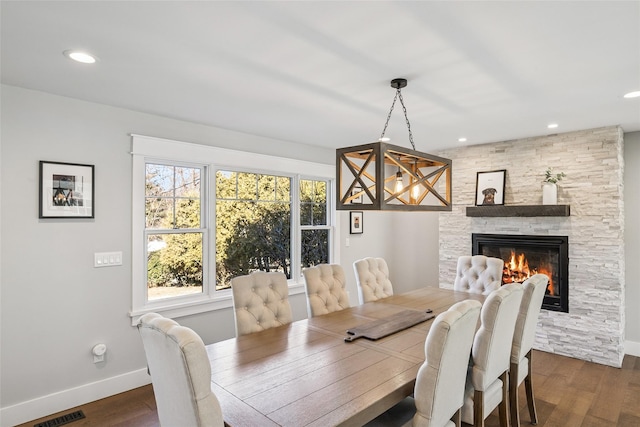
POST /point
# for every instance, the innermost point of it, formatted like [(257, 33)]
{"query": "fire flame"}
[(516, 270)]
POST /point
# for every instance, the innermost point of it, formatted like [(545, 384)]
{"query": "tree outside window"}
[(253, 224)]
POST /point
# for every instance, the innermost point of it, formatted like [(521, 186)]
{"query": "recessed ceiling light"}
[(462, 139), (552, 125), (80, 56), (634, 94), (384, 139)]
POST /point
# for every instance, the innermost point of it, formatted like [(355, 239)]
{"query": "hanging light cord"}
[(404, 109)]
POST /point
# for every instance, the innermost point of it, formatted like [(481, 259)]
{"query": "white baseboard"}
[(66, 399), (632, 348)]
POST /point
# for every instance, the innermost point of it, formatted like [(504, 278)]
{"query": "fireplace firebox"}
[(525, 256)]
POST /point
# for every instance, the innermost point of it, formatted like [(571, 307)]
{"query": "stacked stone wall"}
[(592, 160)]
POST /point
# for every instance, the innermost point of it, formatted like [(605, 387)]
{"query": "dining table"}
[(306, 373)]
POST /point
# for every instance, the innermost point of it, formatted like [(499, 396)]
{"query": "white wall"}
[(55, 306), (408, 241), (632, 239)]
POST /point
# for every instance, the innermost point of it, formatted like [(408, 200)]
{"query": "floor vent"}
[(62, 420)]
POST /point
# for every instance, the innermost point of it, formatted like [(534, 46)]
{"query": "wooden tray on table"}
[(389, 325)]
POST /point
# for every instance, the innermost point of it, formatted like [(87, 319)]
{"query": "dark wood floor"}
[(569, 392)]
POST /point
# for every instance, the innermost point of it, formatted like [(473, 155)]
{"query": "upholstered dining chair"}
[(180, 373), (487, 377), (372, 278), (260, 301), (478, 274), (523, 337), (440, 382), (325, 287)]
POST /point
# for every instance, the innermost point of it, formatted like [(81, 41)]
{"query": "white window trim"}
[(145, 148)]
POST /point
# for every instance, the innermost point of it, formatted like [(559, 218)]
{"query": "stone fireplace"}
[(593, 327)]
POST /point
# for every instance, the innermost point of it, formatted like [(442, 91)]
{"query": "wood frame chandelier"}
[(385, 177)]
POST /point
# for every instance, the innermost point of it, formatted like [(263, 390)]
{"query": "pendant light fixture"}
[(381, 176)]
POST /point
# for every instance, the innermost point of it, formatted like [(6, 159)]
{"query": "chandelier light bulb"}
[(415, 192), (399, 184)]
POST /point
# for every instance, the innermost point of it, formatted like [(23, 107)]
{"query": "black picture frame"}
[(67, 190), (490, 188), (356, 222)]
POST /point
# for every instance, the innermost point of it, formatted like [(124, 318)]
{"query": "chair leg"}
[(504, 405), (528, 385), (457, 418), (513, 395), (478, 408)]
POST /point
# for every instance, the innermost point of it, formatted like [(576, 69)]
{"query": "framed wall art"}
[(356, 224), (66, 190), (490, 188)]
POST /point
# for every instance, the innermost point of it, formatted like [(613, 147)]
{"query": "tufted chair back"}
[(478, 274), (372, 278), (325, 286), (439, 389), (260, 301), (491, 355), (180, 373)]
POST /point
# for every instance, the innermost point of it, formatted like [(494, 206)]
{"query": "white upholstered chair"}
[(487, 378), (523, 338), (180, 373), (260, 301), (478, 274), (325, 287), (440, 382), (372, 278)]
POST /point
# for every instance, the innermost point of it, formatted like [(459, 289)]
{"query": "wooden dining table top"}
[(305, 374)]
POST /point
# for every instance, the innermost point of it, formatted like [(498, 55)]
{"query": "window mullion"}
[(296, 237)]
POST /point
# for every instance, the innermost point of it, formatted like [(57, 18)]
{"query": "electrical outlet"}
[(107, 259), (98, 351)]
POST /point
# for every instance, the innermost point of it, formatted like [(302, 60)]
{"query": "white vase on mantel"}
[(549, 193)]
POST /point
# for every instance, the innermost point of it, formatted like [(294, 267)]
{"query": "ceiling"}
[(318, 72)]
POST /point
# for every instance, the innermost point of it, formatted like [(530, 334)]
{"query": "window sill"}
[(218, 302)]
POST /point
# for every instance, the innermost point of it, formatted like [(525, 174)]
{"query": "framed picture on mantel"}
[(490, 188)]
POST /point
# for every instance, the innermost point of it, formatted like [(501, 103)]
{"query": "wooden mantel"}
[(518, 210)]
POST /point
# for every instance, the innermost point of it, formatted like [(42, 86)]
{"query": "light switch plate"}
[(107, 259)]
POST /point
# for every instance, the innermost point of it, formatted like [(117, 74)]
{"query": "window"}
[(314, 223), (202, 215), (174, 230), (253, 224)]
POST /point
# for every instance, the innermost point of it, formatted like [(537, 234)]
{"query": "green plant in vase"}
[(550, 188), (552, 178)]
